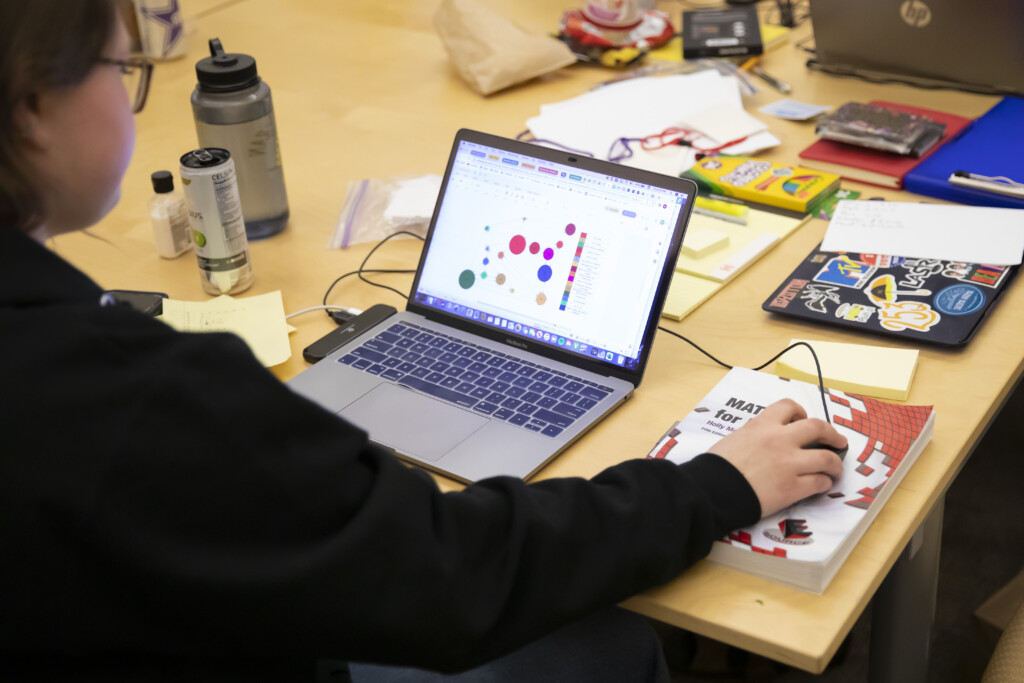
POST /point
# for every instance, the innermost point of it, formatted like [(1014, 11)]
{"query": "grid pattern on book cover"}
[(890, 429), (882, 437), (806, 543)]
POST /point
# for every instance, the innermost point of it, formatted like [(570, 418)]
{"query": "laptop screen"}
[(551, 252), (973, 45)]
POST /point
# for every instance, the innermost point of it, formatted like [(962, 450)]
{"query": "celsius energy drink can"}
[(215, 213)]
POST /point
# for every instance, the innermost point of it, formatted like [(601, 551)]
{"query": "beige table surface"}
[(364, 89)]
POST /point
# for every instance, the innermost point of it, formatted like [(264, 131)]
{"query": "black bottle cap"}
[(163, 182), (223, 72)]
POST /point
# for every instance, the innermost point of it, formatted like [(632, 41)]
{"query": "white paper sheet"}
[(675, 159), (639, 107), (725, 122), (971, 234)]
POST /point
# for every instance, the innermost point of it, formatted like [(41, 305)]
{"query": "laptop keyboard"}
[(520, 392)]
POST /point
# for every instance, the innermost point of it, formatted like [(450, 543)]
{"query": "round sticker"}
[(960, 299)]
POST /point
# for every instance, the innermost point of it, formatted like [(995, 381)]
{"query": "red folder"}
[(876, 167)]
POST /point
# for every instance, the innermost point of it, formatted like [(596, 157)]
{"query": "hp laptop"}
[(974, 46), (531, 314)]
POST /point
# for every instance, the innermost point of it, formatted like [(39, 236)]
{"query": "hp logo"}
[(915, 13)]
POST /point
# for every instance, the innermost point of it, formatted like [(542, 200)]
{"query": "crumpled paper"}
[(490, 52)]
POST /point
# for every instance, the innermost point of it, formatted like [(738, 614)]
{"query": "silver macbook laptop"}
[(975, 46), (531, 315)]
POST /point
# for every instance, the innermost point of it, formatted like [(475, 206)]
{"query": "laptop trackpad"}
[(411, 423)]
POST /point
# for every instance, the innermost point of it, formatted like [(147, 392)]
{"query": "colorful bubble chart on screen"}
[(506, 260)]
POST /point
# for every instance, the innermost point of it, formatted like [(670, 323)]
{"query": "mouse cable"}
[(817, 366), (363, 271)]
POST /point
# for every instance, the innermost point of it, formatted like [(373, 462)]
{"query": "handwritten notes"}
[(970, 234), (258, 320)]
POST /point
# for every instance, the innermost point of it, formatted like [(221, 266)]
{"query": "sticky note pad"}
[(686, 293), (874, 371), (702, 241), (258, 320)]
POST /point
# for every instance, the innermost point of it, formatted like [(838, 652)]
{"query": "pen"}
[(781, 86), (997, 184)]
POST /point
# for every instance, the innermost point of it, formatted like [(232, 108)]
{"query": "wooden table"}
[(364, 89)]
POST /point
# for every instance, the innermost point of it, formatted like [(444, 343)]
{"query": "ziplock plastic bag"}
[(375, 208)]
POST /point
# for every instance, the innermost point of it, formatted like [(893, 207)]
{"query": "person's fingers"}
[(813, 429), (770, 452), (821, 461), (813, 484), (784, 411)]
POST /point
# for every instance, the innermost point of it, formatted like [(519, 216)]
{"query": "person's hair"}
[(44, 44)]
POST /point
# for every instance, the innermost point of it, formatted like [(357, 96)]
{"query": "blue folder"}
[(990, 146)]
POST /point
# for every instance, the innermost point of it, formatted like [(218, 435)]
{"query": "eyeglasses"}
[(136, 73), (620, 149)]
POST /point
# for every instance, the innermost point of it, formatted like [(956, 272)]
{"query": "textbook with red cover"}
[(872, 166)]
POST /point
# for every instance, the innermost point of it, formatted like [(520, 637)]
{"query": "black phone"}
[(345, 333), (150, 303)]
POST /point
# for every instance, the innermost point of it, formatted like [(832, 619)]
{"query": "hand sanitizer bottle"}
[(169, 216)]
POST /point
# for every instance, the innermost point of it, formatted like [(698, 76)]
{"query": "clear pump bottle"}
[(169, 217)]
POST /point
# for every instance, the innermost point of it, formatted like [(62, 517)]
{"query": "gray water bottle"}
[(233, 110)]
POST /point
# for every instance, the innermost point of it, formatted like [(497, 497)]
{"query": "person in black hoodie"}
[(170, 511)]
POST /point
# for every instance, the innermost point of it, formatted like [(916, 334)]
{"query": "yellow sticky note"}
[(686, 293), (258, 320), (703, 241), (772, 36), (747, 243), (874, 371)]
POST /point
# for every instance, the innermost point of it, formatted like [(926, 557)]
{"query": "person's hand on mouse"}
[(769, 451)]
